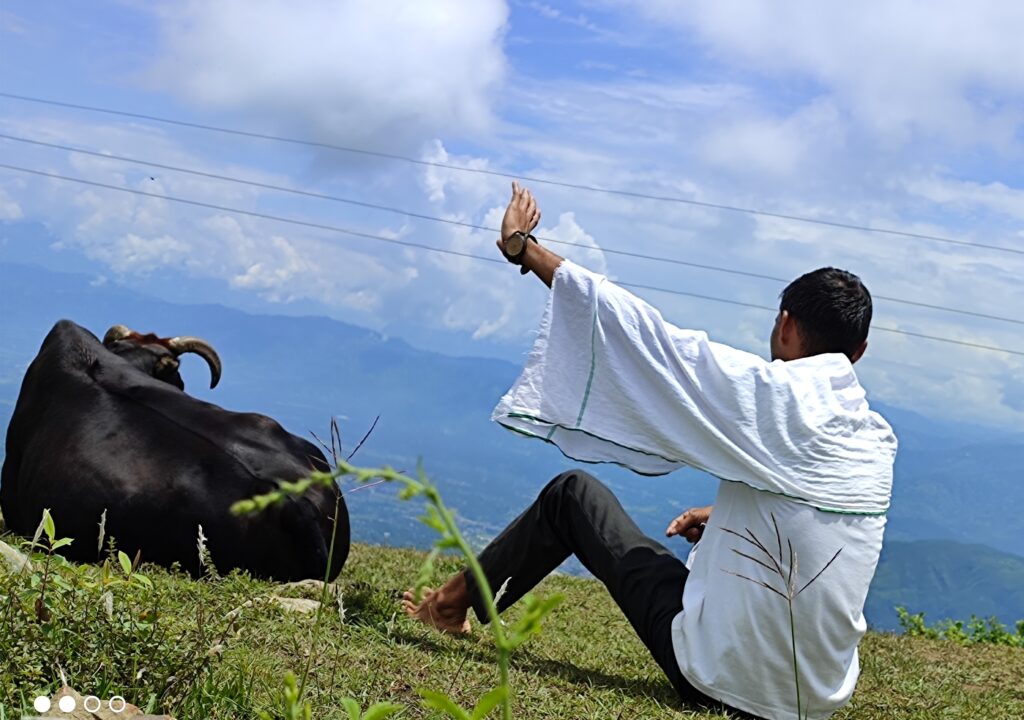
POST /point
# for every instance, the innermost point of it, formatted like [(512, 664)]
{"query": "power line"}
[(406, 243), (251, 213), (373, 206), (460, 223), (514, 176)]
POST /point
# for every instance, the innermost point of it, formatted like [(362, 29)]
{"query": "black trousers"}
[(575, 514)]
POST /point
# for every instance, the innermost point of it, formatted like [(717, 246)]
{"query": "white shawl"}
[(608, 380)]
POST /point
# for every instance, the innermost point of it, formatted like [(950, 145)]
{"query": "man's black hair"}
[(832, 309)]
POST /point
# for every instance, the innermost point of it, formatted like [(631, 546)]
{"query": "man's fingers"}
[(690, 524), (682, 524)]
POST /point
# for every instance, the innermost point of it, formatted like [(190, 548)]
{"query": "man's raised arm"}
[(609, 380)]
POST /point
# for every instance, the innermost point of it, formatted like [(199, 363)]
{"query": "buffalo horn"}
[(117, 332), (203, 349)]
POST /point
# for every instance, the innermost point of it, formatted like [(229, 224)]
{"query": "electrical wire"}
[(406, 243), (460, 223), (515, 176)]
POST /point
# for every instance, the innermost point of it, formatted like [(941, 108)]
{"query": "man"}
[(806, 470)]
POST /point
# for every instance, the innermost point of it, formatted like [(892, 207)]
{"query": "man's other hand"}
[(690, 524)]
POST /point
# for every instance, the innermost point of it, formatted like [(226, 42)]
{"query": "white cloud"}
[(9, 210), (373, 74), (468, 189), (575, 243), (969, 195), (948, 68), (934, 380), (133, 253), (579, 20), (11, 23), (773, 146), (134, 234)]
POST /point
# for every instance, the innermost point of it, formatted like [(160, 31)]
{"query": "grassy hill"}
[(585, 664)]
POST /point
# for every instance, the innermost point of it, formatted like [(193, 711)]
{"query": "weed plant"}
[(975, 631), (109, 628), (441, 519)]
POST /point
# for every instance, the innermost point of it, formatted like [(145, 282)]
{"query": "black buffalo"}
[(108, 426)]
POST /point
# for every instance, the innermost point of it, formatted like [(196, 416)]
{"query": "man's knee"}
[(573, 482)]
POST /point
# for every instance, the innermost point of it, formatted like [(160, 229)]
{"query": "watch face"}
[(515, 244)]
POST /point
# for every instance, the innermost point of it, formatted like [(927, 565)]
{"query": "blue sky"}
[(905, 115)]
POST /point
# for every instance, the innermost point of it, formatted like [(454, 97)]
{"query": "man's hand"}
[(690, 524), (521, 214)]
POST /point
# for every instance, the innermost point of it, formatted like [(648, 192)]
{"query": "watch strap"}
[(517, 259), (523, 270)]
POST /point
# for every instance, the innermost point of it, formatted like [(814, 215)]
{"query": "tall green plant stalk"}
[(335, 448), (796, 666), (500, 639), (441, 519), (323, 595)]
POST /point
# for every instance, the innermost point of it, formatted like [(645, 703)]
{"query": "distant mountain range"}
[(954, 484)]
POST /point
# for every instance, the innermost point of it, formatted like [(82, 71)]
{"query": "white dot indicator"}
[(41, 704), (120, 704), (67, 704), (92, 704)]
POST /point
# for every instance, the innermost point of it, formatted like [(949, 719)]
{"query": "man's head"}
[(824, 311)]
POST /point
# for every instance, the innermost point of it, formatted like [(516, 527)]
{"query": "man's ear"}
[(788, 331), (859, 352)]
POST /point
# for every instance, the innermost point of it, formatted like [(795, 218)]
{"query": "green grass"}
[(585, 664)]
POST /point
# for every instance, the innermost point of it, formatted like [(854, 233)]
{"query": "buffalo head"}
[(158, 357)]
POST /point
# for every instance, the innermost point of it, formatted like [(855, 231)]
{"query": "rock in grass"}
[(304, 606), (299, 605)]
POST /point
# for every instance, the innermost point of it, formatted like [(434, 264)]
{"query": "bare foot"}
[(445, 609)]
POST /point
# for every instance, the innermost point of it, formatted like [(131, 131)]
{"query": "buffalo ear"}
[(166, 369), (166, 364)]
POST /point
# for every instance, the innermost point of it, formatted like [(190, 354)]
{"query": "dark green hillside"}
[(942, 579)]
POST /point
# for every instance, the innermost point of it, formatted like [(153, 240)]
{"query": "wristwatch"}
[(514, 247)]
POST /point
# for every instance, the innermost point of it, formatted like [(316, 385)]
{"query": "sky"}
[(900, 115)]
